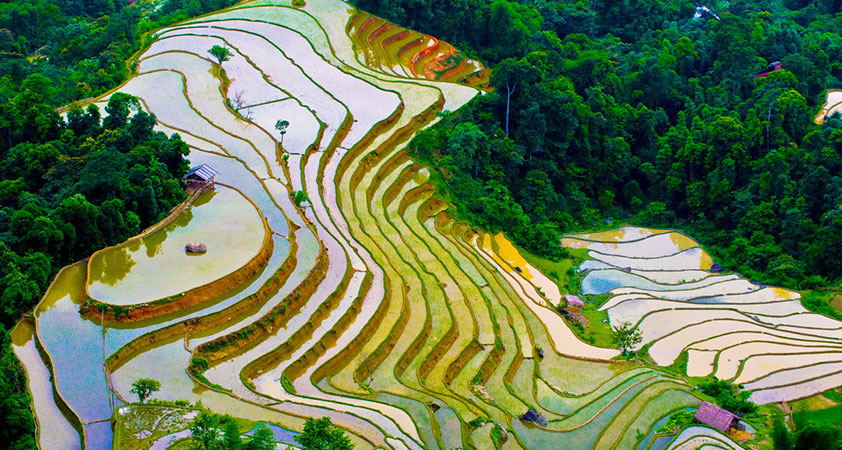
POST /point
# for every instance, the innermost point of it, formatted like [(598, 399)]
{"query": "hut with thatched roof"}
[(714, 416), (573, 301)]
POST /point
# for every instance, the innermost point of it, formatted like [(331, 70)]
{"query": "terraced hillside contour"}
[(367, 303), (753, 335)]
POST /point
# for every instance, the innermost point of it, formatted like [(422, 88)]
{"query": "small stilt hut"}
[(200, 177)]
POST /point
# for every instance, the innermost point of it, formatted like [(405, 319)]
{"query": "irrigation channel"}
[(368, 302)]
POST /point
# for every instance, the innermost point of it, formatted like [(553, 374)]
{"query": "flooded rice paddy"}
[(225, 221)]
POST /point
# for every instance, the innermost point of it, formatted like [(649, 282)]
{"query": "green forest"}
[(636, 111), (71, 186), (82, 45)]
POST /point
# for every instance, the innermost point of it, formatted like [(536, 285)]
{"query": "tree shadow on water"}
[(114, 265)]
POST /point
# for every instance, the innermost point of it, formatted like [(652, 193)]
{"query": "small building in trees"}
[(200, 177), (772, 67)]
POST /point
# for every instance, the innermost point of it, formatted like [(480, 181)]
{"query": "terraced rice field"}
[(758, 336), (368, 304), (120, 275)]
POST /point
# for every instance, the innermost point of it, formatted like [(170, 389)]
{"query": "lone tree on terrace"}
[(299, 197), (281, 125), (144, 387), (625, 336), (221, 53), (321, 434)]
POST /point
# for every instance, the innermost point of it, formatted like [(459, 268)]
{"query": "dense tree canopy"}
[(82, 45), (811, 436), (322, 434), (70, 187), (18, 425), (73, 187), (67, 189), (637, 110), (211, 431)]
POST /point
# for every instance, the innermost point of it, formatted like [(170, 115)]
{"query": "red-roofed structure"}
[(712, 415), (772, 67)]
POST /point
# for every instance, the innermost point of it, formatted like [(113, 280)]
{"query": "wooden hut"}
[(714, 416), (200, 177)]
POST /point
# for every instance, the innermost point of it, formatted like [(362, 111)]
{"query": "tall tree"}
[(625, 336), (510, 74), (144, 387), (281, 125)]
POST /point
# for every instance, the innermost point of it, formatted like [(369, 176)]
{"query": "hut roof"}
[(710, 414), (534, 417), (203, 172), (573, 300)]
